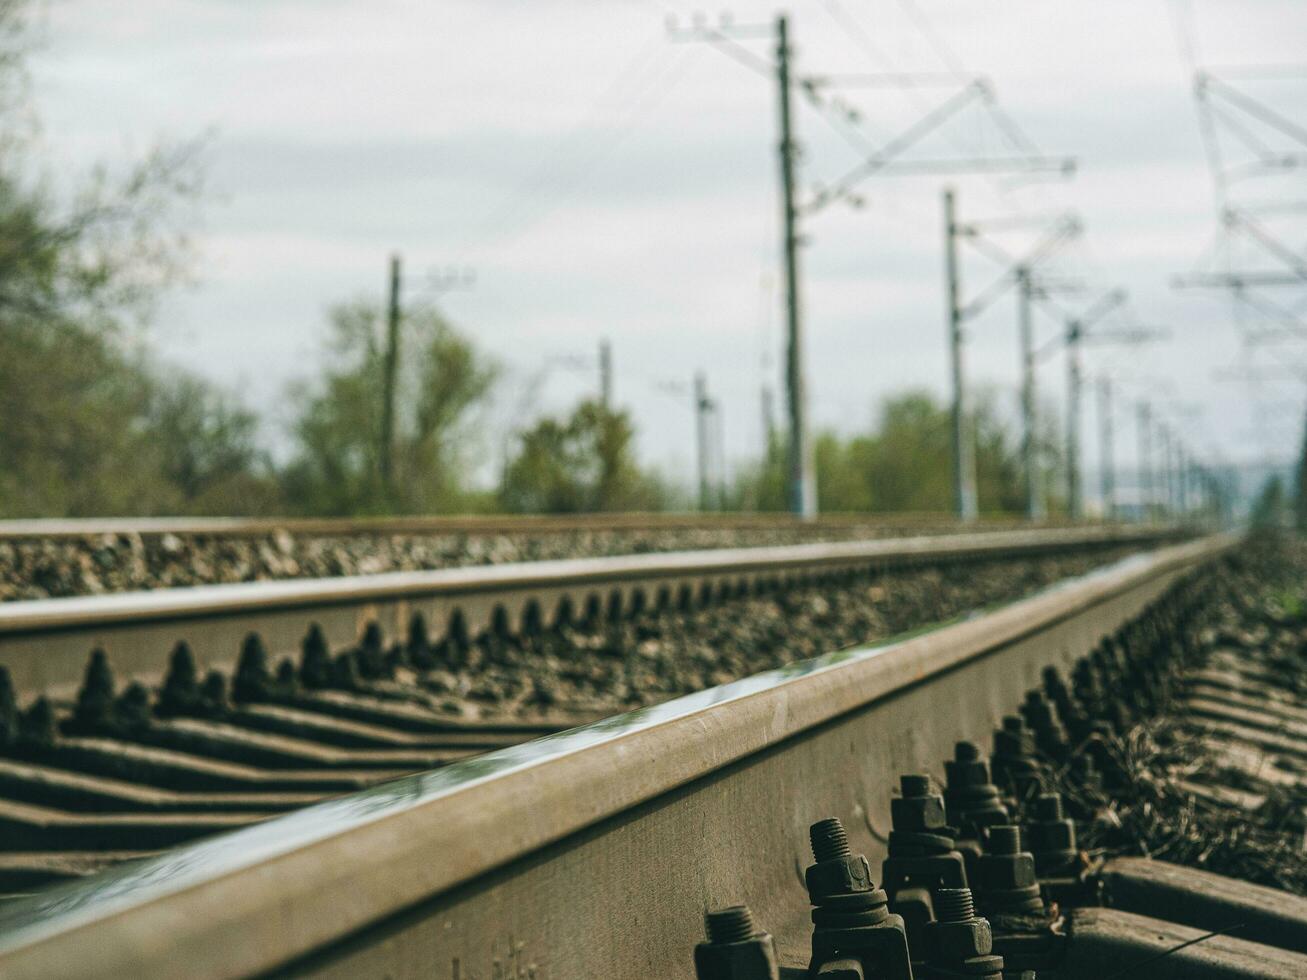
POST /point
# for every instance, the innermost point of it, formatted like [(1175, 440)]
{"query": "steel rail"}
[(44, 642), (237, 527), (594, 852)]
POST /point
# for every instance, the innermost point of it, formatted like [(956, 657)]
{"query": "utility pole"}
[(1077, 334), (390, 368), (964, 456), (1029, 453), (1107, 471), (1167, 481), (1186, 477), (1300, 488), (1073, 502), (1019, 275), (1177, 466), (702, 406), (606, 374), (1172, 472), (719, 437), (802, 476), (1168, 470), (1144, 418), (883, 159)]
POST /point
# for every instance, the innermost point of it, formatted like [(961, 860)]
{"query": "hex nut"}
[(1003, 872), (953, 941), (1013, 744), (1058, 835), (841, 970), (961, 774), (838, 877), (985, 966), (917, 813), (753, 959)]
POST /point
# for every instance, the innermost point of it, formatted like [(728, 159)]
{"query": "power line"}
[(927, 30), (910, 82), (633, 94)]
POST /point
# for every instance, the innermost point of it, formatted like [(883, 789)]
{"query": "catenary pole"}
[(963, 451), (702, 405), (1073, 383), (1106, 462), (606, 374), (1029, 454), (802, 475), (390, 367), (1145, 423)]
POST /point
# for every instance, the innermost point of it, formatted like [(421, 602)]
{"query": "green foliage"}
[(86, 425), (338, 427), (903, 465), (90, 430), (1000, 483), (907, 464), (843, 467), (1300, 489), (71, 406), (1269, 509), (207, 449), (579, 464), (762, 485)]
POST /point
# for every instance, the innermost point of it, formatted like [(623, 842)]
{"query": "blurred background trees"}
[(583, 463), (91, 424), (336, 466), (86, 422), (902, 463)]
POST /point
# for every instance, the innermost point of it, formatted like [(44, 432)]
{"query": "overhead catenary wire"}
[(639, 87)]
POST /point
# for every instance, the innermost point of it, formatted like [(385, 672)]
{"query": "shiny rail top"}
[(260, 898)]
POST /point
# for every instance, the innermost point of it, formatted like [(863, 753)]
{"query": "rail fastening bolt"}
[(959, 943), (914, 784), (736, 948), (1006, 879), (830, 841), (730, 925), (1005, 840)]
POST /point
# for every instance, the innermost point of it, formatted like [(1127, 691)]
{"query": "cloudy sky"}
[(605, 181)]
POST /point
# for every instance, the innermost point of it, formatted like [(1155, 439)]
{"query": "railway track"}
[(44, 643), (315, 689), (594, 852)]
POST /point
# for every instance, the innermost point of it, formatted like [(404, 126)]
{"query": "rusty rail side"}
[(591, 853)]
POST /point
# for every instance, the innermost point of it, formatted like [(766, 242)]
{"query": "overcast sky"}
[(603, 181)]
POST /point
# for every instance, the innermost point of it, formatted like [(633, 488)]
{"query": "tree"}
[(1268, 510), (844, 468), (907, 462), (82, 265), (1000, 479), (901, 465), (208, 449), (70, 408), (1300, 488), (91, 430), (763, 486), (443, 380), (578, 465)]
